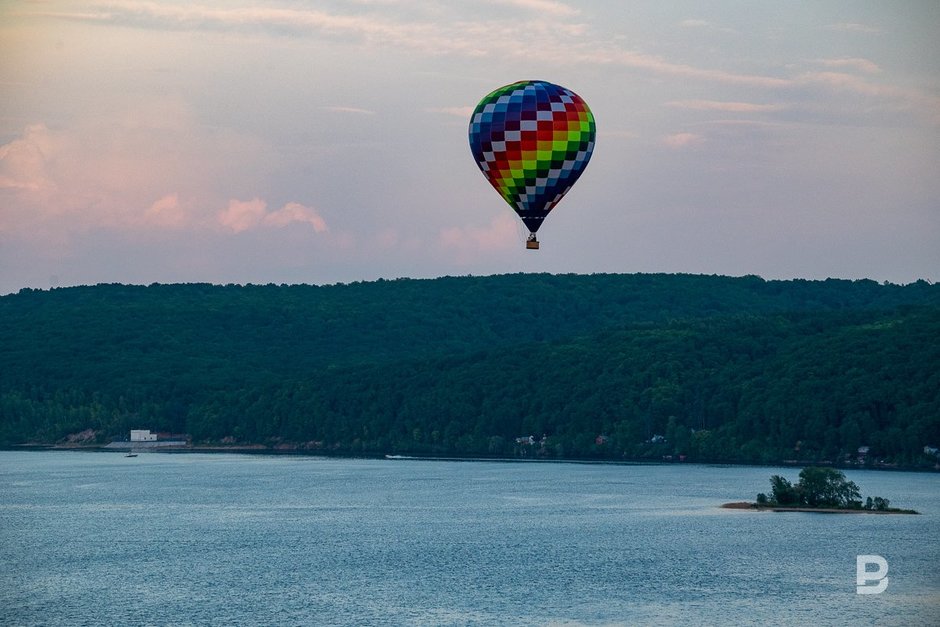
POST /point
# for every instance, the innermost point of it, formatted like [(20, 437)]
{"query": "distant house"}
[(527, 441), (143, 435), (145, 439)]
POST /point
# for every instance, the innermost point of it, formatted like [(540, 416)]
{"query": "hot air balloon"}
[(532, 140)]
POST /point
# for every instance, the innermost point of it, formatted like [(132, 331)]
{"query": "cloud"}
[(167, 213), (35, 182), (242, 216), (296, 212), (23, 161), (729, 107), (681, 140), (550, 36), (355, 110), (469, 244), (853, 27), (705, 24), (372, 28), (846, 82), (545, 32), (547, 7), (138, 169), (460, 112), (841, 81), (880, 96), (862, 65), (658, 65)]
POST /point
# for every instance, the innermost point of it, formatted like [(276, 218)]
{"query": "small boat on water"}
[(131, 455)]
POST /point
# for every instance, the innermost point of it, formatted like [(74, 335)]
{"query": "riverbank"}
[(814, 510)]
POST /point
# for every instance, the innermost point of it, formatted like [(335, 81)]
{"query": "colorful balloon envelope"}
[(532, 140)]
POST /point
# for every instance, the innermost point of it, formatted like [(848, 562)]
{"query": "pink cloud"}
[(854, 63), (242, 216), (468, 244), (460, 112), (681, 140), (150, 166), (295, 212), (545, 7), (729, 107), (552, 36), (23, 161), (355, 110), (166, 213)]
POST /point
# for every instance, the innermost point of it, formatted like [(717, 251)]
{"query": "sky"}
[(292, 141)]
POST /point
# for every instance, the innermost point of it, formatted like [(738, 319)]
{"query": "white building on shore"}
[(143, 435), (145, 439)]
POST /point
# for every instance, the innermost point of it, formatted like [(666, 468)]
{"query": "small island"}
[(819, 490)]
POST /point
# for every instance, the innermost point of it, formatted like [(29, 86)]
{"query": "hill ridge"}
[(717, 367)]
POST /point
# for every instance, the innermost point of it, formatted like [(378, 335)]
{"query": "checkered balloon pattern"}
[(532, 140)]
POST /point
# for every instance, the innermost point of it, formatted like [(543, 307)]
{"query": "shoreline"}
[(254, 449), (745, 505)]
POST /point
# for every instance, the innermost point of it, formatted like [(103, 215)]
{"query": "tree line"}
[(599, 366)]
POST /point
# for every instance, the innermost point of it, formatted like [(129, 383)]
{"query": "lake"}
[(222, 539)]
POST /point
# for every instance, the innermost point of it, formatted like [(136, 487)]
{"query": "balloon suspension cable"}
[(521, 229)]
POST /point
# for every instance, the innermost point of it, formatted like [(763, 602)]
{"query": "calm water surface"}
[(191, 539)]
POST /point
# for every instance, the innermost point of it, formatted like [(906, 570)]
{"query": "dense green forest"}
[(600, 366)]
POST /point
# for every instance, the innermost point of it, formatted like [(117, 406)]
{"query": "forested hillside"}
[(608, 366)]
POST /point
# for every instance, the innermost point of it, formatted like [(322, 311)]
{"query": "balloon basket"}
[(532, 244)]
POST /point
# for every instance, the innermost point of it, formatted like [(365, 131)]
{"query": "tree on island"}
[(818, 487), (823, 489)]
